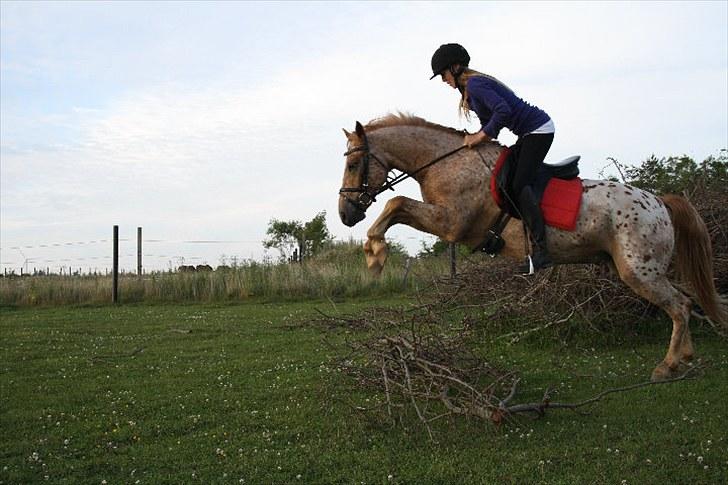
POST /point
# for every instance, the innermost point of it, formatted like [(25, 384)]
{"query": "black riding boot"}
[(532, 216)]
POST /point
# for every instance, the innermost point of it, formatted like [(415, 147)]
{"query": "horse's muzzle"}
[(349, 213)]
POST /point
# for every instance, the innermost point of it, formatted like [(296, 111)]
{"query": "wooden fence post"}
[(115, 277), (139, 252), (407, 267)]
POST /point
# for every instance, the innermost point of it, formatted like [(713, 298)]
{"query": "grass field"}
[(338, 271), (236, 394)]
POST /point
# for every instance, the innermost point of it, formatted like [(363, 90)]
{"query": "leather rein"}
[(367, 194)]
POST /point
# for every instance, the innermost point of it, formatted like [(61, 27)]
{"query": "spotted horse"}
[(637, 232)]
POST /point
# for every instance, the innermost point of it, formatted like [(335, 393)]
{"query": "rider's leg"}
[(533, 218), (533, 151)]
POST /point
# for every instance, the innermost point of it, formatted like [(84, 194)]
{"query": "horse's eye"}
[(352, 166)]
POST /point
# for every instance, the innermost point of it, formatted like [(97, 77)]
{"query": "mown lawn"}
[(239, 394)]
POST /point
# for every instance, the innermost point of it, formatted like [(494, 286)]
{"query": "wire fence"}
[(95, 256)]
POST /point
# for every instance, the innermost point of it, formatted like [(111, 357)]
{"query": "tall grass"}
[(339, 271)]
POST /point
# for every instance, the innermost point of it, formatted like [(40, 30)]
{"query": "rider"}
[(497, 106)]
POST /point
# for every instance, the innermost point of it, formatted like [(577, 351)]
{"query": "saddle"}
[(501, 179), (557, 187)]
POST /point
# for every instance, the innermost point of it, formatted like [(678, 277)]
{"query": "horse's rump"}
[(558, 188)]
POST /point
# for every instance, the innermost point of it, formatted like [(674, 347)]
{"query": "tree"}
[(678, 174), (296, 240), (315, 234)]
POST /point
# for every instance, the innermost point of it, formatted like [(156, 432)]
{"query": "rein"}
[(367, 195)]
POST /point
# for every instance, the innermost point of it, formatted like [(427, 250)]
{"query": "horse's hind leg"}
[(658, 290), (681, 344)]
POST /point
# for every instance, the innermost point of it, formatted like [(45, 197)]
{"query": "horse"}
[(634, 231)]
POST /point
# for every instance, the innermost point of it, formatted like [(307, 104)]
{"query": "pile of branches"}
[(591, 295), (414, 361), (421, 364)]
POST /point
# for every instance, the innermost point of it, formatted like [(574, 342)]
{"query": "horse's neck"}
[(409, 148)]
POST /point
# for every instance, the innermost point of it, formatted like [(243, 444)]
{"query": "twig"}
[(542, 406)]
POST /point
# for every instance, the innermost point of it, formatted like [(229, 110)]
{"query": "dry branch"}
[(426, 366)]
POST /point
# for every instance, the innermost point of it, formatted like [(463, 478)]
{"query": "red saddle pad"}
[(561, 200)]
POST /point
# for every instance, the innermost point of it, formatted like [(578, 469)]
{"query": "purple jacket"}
[(498, 107)]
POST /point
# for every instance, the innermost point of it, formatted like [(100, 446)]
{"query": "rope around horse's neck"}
[(404, 176)]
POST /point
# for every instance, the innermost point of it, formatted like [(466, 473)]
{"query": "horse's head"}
[(362, 178)]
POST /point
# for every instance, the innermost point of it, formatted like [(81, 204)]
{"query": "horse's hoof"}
[(663, 372), (687, 359)]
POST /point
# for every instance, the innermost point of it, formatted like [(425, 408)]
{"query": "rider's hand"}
[(475, 139)]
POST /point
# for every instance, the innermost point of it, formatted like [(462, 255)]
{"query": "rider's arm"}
[(482, 94)]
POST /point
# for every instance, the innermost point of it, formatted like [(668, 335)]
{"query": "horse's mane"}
[(407, 119)]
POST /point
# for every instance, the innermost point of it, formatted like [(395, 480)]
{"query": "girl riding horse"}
[(497, 107)]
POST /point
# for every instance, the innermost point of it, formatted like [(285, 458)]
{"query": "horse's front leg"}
[(441, 221)]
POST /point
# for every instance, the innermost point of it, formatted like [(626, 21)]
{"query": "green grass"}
[(339, 271), (231, 393)]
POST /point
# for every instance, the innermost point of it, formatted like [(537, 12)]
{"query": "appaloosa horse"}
[(636, 231)]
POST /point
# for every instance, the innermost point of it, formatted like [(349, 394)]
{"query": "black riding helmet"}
[(446, 55)]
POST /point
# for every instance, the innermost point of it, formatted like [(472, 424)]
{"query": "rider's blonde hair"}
[(464, 107)]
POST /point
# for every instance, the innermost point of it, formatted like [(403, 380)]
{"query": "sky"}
[(202, 121)]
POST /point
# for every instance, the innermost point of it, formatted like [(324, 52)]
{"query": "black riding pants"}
[(534, 148)]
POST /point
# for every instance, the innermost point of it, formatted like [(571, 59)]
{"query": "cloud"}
[(217, 148)]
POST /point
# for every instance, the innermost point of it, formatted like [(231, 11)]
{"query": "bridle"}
[(367, 195)]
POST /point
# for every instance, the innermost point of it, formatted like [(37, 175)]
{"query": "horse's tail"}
[(694, 258)]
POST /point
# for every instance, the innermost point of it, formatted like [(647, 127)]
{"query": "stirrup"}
[(527, 269)]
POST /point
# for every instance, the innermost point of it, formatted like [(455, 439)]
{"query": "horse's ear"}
[(348, 135), (359, 130)]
